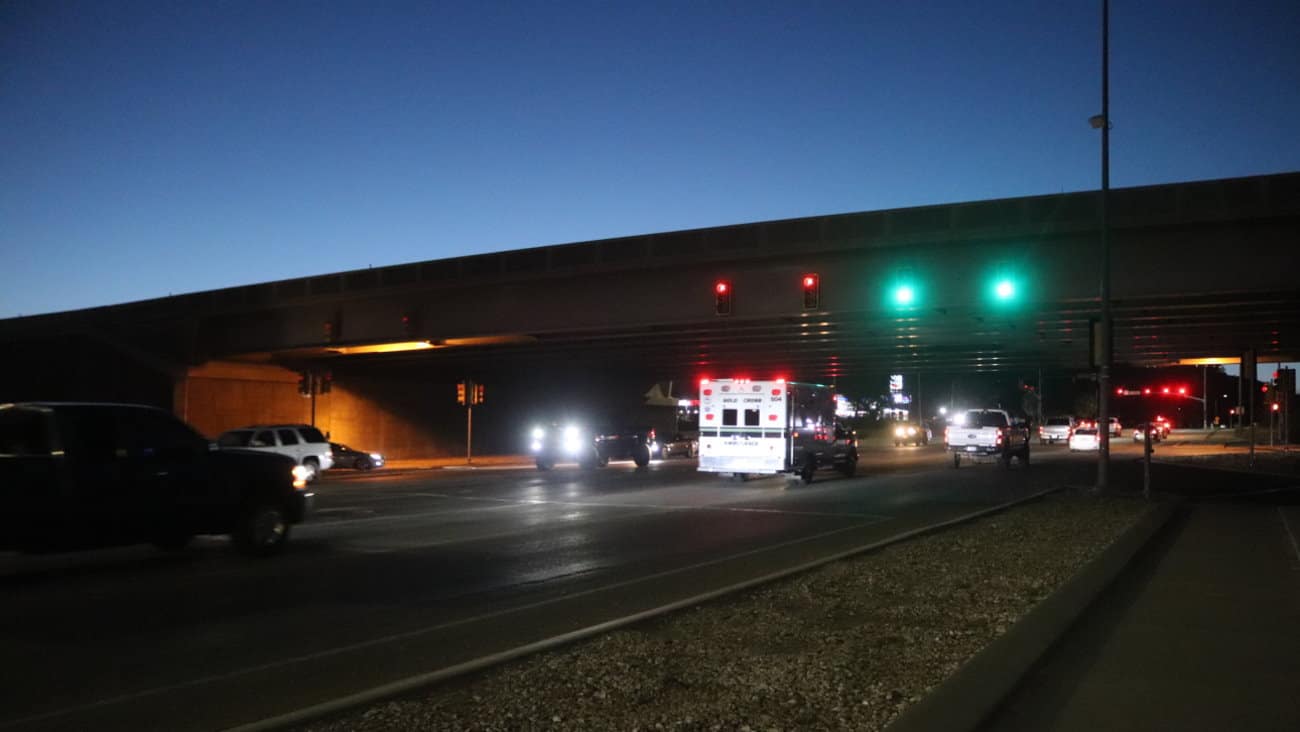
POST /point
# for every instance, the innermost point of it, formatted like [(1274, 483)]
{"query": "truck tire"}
[(641, 456), (262, 531), (956, 460), (1005, 460), (809, 468), (172, 540), (850, 465), (544, 463)]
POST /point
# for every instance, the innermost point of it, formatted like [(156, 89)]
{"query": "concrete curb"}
[(414, 683), (969, 696)]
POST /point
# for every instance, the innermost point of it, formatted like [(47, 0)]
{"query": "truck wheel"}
[(172, 540), (262, 531), (956, 461), (809, 467), (363, 463), (641, 456), (602, 461), (313, 469), (544, 463), (1024, 455), (1005, 460), (850, 465)]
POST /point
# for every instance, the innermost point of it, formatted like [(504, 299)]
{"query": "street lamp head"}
[(1096, 121)]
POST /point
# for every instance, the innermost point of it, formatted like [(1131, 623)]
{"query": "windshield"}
[(1058, 422), (1086, 431), (985, 419), (235, 438)]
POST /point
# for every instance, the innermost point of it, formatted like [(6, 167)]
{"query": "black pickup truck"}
[(559, 443), (81, 475)]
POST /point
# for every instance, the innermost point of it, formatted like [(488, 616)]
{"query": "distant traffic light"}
[(326, 382), (1276, 407), (478, 394), (812, 291), (1004, 289), (460, 392), (304, 384), (1182, 391), (722, 297)]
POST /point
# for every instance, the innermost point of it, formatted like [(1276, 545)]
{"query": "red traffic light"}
[(812, 291), (1164, 390), (1147, 391), (1119, 391), (722, 297)]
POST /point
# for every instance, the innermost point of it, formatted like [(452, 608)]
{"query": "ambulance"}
[(765, 427)]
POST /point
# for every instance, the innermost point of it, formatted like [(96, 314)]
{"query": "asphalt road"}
[(401, 573)]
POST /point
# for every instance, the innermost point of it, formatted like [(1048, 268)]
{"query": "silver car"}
[(1055, 429)]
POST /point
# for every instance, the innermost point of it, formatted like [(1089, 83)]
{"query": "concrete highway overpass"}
[(1200, 269)]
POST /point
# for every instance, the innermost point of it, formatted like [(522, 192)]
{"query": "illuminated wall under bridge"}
[(366, 413)]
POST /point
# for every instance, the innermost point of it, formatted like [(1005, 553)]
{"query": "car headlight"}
[(300, 475), (376, 456), (898, 432), (911, 431), (536, 446), (570, 433), (538, 433)]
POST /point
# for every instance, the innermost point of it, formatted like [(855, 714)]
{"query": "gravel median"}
[(847, 646)]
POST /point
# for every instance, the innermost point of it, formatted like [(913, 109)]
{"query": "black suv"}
[(591, 449), (80, 476)]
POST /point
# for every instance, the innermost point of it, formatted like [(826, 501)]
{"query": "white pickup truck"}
[(985, 435)]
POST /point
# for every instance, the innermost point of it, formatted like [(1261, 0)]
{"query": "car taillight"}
[(999, 440)]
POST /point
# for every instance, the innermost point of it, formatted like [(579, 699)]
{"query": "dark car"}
[(558, 443), (81, 476), (346, 457)]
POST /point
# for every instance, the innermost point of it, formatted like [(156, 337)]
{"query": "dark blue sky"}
[(159, 147)]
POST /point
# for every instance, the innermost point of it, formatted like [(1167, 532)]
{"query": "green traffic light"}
[(1005, 289), (904, 295)]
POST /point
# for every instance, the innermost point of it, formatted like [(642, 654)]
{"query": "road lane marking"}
[(1287, 525), (664, 507)]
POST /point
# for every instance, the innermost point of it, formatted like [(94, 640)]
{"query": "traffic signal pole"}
[(469, 435), (1103, 371)]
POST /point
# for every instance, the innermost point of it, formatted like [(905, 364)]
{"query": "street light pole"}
[(1103, 370)]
